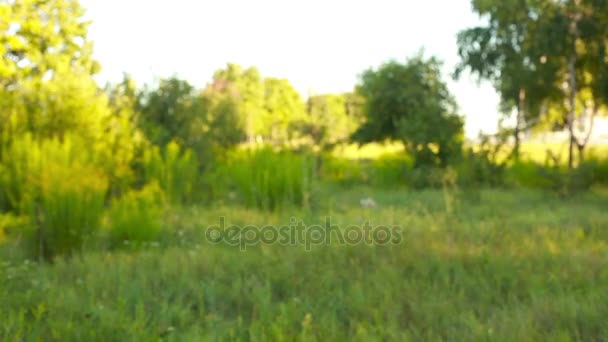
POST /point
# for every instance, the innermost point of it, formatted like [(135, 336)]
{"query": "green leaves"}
[(410, 102), (37, 38)]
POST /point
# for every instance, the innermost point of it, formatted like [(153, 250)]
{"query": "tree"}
[(168, 112), (39, 37), (509, 53), (530, 49), (46, 71), (265, 108), (283, 106), (123, 140), (333, 117), (410, 102), (244, 88)]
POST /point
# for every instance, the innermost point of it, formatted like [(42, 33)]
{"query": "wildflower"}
[(367, 203)]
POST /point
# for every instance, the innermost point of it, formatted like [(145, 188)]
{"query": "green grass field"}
[(484, 265)]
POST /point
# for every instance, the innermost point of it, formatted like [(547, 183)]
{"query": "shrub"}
[(68, 208), (425, 177), (600, 168), (55, 183), (554, 178), (19, 159), (480, 169), (175, 170), (136, 217)]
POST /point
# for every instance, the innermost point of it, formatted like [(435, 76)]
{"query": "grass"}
[(499, 265), (266, 179), (136, 217)]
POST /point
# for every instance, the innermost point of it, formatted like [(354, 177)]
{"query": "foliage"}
[(123, 141), (38, 39), (410, 102), (136, 217), (60, 190), (283, 105), (172, 111), (547, 58), (333, 118), (244, 90), (175, 169), (267, 179), (68, 212)]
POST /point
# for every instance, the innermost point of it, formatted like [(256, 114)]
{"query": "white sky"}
[(319, 45)]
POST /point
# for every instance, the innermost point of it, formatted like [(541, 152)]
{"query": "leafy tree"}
[(333, 117), (45, 70), (530, 49), (260, 107), (283, 106), (243, 91), (410, 102), (509, 53), (167, 113), (175, 111), (37, 38), (124, 141)]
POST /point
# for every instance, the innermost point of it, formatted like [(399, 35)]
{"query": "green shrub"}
[(9, 223), (20, 158), (268, 179), (68, 209), (554, 178), (600, 174), (175, 170), (55, 183), (480, 169), (425, 177), (136, 217)]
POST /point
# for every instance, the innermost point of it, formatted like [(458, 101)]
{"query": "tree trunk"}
[(572, 98), (582, 144), (518, 120)]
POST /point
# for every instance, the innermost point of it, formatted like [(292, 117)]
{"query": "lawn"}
[(476, 265)]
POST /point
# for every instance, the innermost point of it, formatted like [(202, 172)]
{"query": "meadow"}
[(499, 265), (241, 209)]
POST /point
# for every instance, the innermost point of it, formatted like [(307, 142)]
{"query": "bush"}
[(136, 217), (480, 169), (425, 177), (554, 178), (175, 170), (600, 166), (68, 210), (268, 179), (54, 183), (19, 160)]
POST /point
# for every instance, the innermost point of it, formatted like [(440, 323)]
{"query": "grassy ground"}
[(481, 265)]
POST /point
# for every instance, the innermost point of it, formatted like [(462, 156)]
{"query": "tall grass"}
[(175, 170), (69, 209), (136, 217), (268, 179), (20, 158), (56, 185)]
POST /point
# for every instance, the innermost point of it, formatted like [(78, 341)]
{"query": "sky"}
[(319, 45)]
